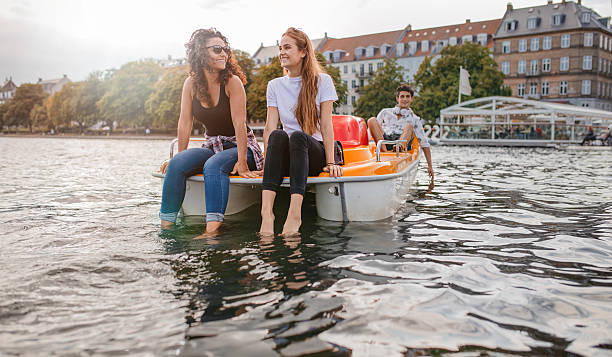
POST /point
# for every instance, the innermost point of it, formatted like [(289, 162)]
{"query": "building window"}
[(533, 22), (565, 41), (520, 90), (466, 38), (564, 64), (505, 67), (452, 41), (353, 68), (370, 68), (482, 39), (587, 62), (586, 87), (353, 102), (558, 19), (547, 43), (535, 44), (586, 17), (533, 67), (506, 47), (361, 83), (563, 87), (522, 66), (510, 25), (533, 89), (353, 83), (361, 69), (522, 45), (588, 39), (425, 46), (345, 68), (546, 65), (379, 65), (545, 87)]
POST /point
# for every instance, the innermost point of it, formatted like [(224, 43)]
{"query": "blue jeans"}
[(216, 169)]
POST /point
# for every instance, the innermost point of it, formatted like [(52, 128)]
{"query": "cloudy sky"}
[(49, 38)]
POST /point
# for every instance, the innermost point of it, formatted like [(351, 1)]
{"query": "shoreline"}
[(107, 137)]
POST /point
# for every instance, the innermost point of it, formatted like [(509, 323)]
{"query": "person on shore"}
[(590, 136), (303, 101), (213, 94), (400, 123)]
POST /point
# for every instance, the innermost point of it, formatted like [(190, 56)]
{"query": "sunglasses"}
[(217, 49)]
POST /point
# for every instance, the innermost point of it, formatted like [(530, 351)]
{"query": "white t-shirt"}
[(392, 125), (283, 94)]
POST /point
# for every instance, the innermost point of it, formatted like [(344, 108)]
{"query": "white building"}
[(53, 85), (7, 91)]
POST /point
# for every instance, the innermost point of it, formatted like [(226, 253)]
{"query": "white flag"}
[(464, 82)]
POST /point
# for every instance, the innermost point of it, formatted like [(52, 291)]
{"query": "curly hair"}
[(197, 58), (306, 109)]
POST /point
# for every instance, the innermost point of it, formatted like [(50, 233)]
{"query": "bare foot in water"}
[(292, 226), (267, 224)]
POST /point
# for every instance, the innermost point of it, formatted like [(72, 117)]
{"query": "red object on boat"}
[(350, 130)]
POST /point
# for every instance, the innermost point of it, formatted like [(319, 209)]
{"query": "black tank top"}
[(218, 119)]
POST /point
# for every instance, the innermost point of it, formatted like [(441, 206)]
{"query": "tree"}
[(164, 104), (61, 108), (3, 110), (129, 88), (247, 64), (334, 72), (256, 94), (87, 94), (38, 116), (19, 107), (380, 93), (438, 81)]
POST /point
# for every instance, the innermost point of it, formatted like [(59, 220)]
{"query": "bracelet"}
[(331, 163)]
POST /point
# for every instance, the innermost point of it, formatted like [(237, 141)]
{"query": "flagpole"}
[(460, 67)]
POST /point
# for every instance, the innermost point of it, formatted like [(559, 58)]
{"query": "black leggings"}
[(298, 157)]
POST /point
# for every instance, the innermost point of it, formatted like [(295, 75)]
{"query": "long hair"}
[(198, 58), (306, 109)]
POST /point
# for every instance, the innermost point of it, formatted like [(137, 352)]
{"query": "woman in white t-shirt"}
[(303, 101)]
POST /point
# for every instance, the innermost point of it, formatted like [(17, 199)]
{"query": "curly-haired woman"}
[(303, 101), (214, 95)]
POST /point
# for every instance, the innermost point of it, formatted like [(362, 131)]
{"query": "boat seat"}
[(350, 130)]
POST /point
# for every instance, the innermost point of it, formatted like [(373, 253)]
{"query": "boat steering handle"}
[(396, 142)]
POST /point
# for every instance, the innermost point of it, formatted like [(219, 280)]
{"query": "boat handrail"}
[(175, 140), (396, 142)]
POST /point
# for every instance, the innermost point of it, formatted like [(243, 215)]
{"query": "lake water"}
[(510, 253)]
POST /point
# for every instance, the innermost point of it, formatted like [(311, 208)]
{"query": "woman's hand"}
[(333, 169), (164, 166), (242, 169)]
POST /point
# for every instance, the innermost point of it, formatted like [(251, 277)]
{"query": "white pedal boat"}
[(372, 188)]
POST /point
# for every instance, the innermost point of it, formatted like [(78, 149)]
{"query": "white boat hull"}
[(366, 198)]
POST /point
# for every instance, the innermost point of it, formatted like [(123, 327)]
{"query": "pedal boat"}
[(372, 188)]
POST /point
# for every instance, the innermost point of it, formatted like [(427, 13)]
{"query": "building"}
[(171, 62), (559, 52), (359, 57), (264, 54), (53, 85), (7, 91)]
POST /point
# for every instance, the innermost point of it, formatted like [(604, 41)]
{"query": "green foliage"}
[(247, 64), (129, 88), (87, 94), (438, 82), (3, 110), (256, 94), (19, 107), (38, 116), (334, 73), (164, 104), (380, 93), (61, 108)]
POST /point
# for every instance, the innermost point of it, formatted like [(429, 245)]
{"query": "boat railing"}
[(176, 140), (381, 142)]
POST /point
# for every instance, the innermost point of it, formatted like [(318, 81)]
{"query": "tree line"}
[(142, 94)]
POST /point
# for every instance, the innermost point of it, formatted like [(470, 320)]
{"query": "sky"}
[(49, 38)]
